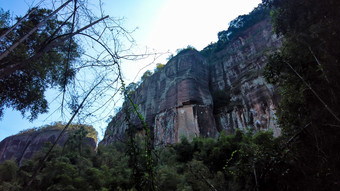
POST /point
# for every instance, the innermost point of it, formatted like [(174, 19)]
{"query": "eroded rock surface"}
[(23, 146), (178, 101), (173, 101), (237, 70)]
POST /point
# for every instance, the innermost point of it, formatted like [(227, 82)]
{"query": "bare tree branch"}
[(316, 95), (11, 48), (16, 24), (58, 138), (8, 70)]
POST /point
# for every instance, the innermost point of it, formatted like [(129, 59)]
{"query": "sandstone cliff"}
[(175, 102), (236, 70), (24, 145), (201, 96)]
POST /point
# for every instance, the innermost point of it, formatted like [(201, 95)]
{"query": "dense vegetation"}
[(59, 126), (34, 66), (237, 162), (307, 72), (305, 157)]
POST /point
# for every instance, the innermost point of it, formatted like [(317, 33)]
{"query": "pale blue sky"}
[(163, 25)]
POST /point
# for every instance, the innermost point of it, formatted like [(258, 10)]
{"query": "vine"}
[(227, 163), (150, 172)]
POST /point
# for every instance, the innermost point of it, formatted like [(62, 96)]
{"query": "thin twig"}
[(11, 48), (16, 24), (316, 95), (59, 137)]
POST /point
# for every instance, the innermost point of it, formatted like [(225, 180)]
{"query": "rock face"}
[(23, 146), (179, 100), (237, 70), (175, 102)]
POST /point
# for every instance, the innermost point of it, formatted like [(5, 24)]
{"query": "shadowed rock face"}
[(177, 101), (23, 146), (252, 101)]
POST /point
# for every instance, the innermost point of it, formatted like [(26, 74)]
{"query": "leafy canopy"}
[(307, 72), (36, 68)]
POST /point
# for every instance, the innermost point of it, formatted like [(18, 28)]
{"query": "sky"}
[(161, 26)]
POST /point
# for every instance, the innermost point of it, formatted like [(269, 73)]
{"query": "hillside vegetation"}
[(59, 126), (306, 71)]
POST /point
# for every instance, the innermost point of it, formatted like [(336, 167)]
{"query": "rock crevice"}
[(178, 101)]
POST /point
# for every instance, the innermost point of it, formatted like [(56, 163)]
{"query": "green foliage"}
[(184, 50), (69, 169), (146, 75), (168, 178), (159, 67), (243, 22), (9, 176), (132, 87), (225, 163), (36, 68), (141, 160), (306, 157), (4, 20), (76, 140), (306, 70), (90, 131), (184, 150), (235, 29)]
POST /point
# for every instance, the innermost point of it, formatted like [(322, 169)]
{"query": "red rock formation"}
[(24, 145), (177, 101), (173, 101), (252, 100)]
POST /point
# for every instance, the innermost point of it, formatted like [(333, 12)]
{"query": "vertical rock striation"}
[(180, 100), (175, 102), (23, 146), (237, 70)]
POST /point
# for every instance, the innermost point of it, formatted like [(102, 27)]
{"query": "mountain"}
[(217, 92), (25, 144), (203, 93)]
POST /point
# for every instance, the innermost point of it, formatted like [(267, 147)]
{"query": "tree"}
[(9, 176), (131, 88), (306, 70), (184, 50), (4, 17), (235, 29), (84, 96), (86, 81), (41, 51), (146, 75), (23, 89), (159, 67)]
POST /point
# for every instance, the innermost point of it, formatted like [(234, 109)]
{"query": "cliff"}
[(25, 144), (236, 70), (201, 96), (175, 102)]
